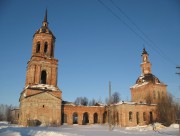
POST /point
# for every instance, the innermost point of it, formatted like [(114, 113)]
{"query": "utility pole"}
[(109, 108), (178, 119)]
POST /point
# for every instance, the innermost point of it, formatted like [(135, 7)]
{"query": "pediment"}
[(43, 96)]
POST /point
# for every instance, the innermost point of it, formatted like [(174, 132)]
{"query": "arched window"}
[(45, 47), (137, 117), (144, 116), (130, 116), (52, 50), (150, 116), (43, 77), (38, 47), (105, 117), (64, 118)]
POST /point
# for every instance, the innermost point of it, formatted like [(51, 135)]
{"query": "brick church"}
[(41, 99)]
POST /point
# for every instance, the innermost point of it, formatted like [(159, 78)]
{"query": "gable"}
[(43, 96)]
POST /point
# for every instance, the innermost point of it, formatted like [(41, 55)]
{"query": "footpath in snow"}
[(88, 130)]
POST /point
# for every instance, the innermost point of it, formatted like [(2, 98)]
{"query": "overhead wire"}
[(142, 36), (159, 51), (153, 44)]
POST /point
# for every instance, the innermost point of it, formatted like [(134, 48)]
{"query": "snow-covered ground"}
[(88, 130)]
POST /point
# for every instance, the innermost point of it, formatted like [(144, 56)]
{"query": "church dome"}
[(147, 78)]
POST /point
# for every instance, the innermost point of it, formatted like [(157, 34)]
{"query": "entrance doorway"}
[(85, 118)]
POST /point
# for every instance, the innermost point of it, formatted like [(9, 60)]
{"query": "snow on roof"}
[(131, 103), (137, 85), (42, 86)]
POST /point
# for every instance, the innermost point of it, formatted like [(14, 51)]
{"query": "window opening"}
[(43, 77), (130, 116), (38, 47), (144, 116), (45, 47)]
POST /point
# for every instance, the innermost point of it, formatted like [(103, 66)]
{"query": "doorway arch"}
[(75, 118), (95, 118), (151, 117), (85, 118), (105, 117)]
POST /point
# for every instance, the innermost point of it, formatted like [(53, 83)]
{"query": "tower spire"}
[(45, 23), (45, 16)]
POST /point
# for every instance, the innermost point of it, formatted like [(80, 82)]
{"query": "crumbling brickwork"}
[(41, 98)]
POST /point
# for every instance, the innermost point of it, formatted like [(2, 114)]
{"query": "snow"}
[(174, 125), (138, 85), (131, 103), (43, 86), (88, 130)]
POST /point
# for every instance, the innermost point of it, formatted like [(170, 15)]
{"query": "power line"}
[(144, 37)]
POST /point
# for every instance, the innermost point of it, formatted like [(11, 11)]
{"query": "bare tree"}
[(5, 112), (8, 113), (115, 97), (81, 101), (1, 116), (166, 110), (107, 100), (77, 101), (92, 102), (84, 101)]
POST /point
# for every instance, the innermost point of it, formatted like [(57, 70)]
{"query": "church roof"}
[(147, 78), (44, 28)]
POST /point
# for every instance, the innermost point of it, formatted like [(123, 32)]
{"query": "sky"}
[(97, 41)]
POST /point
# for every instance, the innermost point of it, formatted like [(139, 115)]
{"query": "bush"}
[(33, 123)]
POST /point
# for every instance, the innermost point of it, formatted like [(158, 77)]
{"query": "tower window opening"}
[(43, 77), (52, 50), (130, 116), (38, 47), (45, 47)]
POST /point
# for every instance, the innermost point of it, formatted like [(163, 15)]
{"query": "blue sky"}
[(93, 45)]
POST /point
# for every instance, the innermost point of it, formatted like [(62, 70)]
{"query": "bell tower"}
[(42, 67), (41, 98), (145, 65)]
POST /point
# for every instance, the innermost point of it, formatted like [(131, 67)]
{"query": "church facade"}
[(41, 99)]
